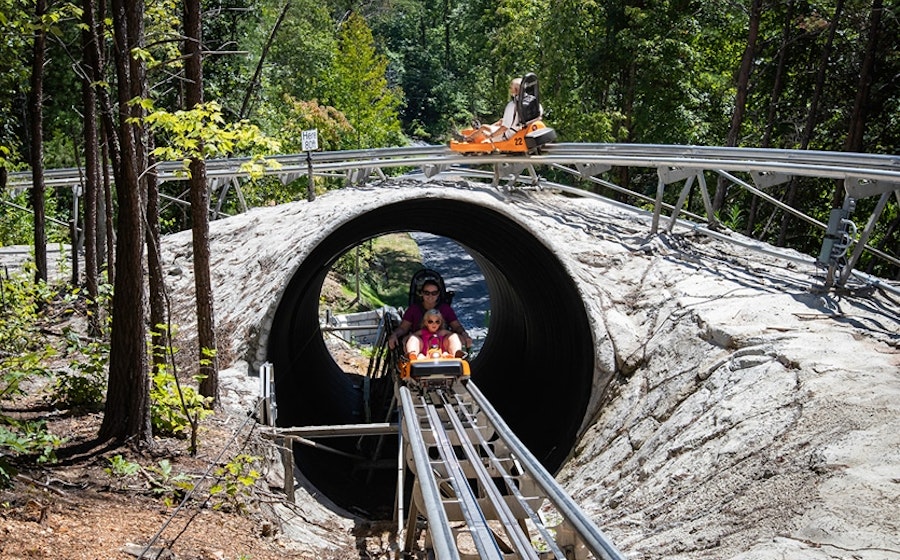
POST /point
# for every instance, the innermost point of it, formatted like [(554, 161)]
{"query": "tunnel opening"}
[(536, 365)]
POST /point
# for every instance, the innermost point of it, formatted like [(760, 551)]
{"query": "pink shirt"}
[(431, 340)]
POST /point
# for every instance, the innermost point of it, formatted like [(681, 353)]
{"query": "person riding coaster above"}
[(508, 125), (521, 129)]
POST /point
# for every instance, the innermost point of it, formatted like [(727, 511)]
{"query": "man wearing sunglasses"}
[(412, 317)]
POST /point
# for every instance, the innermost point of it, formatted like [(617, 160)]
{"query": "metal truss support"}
[(226, 185), (669, 175), (864, 238)]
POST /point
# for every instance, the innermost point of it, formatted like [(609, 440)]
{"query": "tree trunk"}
[(92, 171), (774, 98), (36, 110), (854, 141), (109, 148), (160, 338), (127, 415), (740, 100), (206, 333), (108, 214), (813, 115)]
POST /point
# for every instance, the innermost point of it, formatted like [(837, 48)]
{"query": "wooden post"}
[(287, 461)]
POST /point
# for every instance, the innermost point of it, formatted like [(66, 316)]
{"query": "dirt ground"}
[(78, 508)]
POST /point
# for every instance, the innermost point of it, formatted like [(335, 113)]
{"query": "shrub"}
[(175, 407)]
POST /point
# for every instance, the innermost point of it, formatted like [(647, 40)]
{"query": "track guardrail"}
[(863, 176)]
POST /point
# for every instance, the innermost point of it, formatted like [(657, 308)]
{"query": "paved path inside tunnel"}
[(461, 275)]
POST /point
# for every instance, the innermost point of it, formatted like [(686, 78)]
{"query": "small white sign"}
[(310, 140)]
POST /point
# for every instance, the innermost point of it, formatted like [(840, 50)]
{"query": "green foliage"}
[(161, 30), (167, 484), (24, 355), (386, 264), (174, 407), (28, 438), (23, 350), (120, 468), (7, 157), (120, 471), (237, 478), (203, 133), (17, 222), (84, 384), (331, 124), (226, 25), (358, 87), (20, 368), (734, 218), (301, 56)]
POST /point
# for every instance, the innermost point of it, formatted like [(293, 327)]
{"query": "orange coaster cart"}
[(528, 139)]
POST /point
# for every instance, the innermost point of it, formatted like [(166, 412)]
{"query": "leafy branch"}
[(203, 133)]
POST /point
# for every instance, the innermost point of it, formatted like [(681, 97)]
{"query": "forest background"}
[(112, 87)]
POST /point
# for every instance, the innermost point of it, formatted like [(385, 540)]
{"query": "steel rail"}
[(591, 536), (863, 172), (439, 526), (520, 541), (864, 175), (838, 165), (452, 420), (482, 536), (508, 479), (338, 430), (524, 546), (852, 159)]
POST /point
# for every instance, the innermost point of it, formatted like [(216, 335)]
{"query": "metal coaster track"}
[(479, 488), (836, 165), (863, 176), (477, 493)]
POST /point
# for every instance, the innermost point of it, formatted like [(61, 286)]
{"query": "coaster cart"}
[(437, 369), (526, 140)]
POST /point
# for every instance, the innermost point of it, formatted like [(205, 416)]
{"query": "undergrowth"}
[(41, 350)]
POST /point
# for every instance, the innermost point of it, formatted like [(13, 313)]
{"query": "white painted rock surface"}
[(749, 417)]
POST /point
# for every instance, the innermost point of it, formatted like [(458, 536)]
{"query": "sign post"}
[(310, 141)]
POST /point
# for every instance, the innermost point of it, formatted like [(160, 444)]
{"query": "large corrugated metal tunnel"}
[(536, 365)]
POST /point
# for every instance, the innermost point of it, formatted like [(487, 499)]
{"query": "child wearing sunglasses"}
[(412, 318), (433, 340)]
